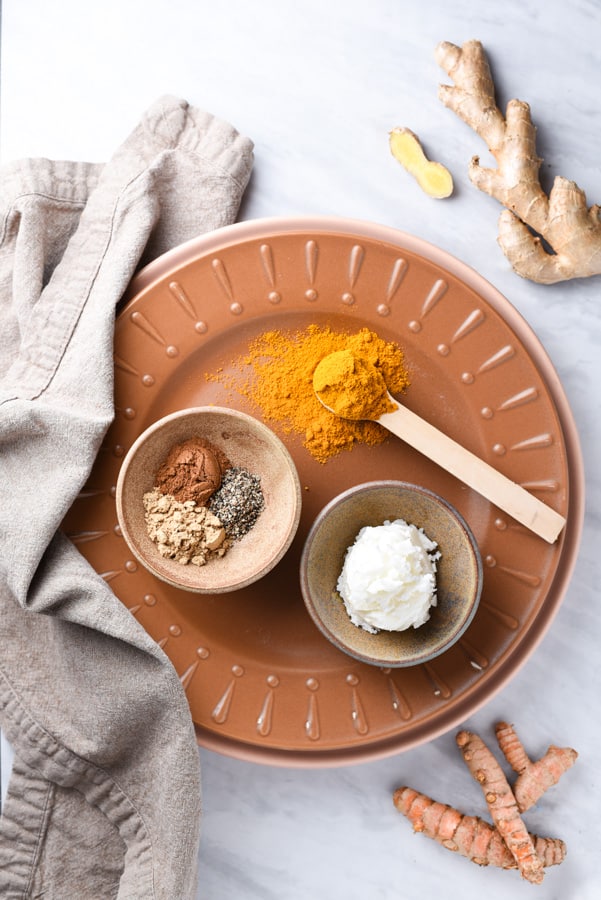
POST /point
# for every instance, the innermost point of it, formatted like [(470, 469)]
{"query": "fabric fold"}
[(93, 708)]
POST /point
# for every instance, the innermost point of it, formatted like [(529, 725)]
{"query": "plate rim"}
[(186, 253)]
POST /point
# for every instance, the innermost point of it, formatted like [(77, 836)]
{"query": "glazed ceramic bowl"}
[(458, 577), (248, 444)]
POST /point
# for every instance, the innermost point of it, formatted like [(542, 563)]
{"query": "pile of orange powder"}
[(276, 376)]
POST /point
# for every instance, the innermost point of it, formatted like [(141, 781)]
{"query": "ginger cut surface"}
[(433, 178)]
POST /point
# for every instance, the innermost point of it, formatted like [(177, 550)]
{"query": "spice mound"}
[(184, 531), (238, 502), (276, 376), (351, 387), (192, 471), (200, 503), (388, 579)]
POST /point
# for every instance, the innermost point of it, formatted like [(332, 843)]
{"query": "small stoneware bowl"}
[(458, 577), (248, 444)]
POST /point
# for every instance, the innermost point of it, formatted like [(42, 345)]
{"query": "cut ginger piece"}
[(433, 178)]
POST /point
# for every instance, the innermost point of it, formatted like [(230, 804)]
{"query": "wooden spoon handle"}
[(473, 471)]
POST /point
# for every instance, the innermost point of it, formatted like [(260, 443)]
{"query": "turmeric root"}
[(501, 804), (432, 177), (534, 778), (507, 843), (470, 836), (570, 229)]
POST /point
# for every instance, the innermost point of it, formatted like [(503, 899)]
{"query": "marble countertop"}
[(317, 86)]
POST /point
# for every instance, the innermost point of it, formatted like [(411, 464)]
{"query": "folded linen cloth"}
[(104, 796)]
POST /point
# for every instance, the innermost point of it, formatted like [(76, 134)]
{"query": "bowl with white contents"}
[(391, 573)]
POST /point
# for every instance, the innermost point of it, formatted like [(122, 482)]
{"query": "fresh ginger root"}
[(470, 836), (562, 218), (432, 177), (534, 778), (507, 843), (501, 804)]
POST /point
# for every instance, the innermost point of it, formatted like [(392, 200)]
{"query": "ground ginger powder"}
[(183, 531), (280, 367)]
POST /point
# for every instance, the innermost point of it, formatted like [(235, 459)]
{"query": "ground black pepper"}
[(238, 502)]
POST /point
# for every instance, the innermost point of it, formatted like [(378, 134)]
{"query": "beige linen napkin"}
[(104, 797)]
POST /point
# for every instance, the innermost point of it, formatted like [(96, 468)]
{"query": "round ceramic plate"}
[(262, 682)]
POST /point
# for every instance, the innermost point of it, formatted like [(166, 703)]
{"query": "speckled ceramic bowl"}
[(247, 443), (459, 571)]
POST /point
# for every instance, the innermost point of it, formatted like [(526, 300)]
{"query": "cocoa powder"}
[(192, 470)]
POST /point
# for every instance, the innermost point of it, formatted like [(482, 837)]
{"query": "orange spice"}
[(277, 379), (351, 387)]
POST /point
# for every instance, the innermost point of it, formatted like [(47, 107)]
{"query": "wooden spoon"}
[(470, 469)]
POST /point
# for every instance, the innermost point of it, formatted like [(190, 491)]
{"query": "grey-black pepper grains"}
[(238, 502)]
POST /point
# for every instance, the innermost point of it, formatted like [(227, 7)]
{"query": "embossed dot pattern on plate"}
[(262, 682)]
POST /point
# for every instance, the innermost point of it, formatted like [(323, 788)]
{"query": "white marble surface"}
[(317, 85)]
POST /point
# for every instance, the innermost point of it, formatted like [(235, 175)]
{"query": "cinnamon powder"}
[(192, 470)]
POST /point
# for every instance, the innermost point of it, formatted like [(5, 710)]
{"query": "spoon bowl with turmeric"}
[(353, 388)]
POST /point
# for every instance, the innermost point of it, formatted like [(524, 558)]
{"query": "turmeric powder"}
[(351, 387), (277, 378)]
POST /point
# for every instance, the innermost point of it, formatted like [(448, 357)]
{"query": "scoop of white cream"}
[(388, 580)]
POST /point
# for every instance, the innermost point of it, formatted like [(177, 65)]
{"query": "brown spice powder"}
[(192, 470), (279, 371)]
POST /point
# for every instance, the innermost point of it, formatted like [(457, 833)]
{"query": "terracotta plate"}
[(262, 682)]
